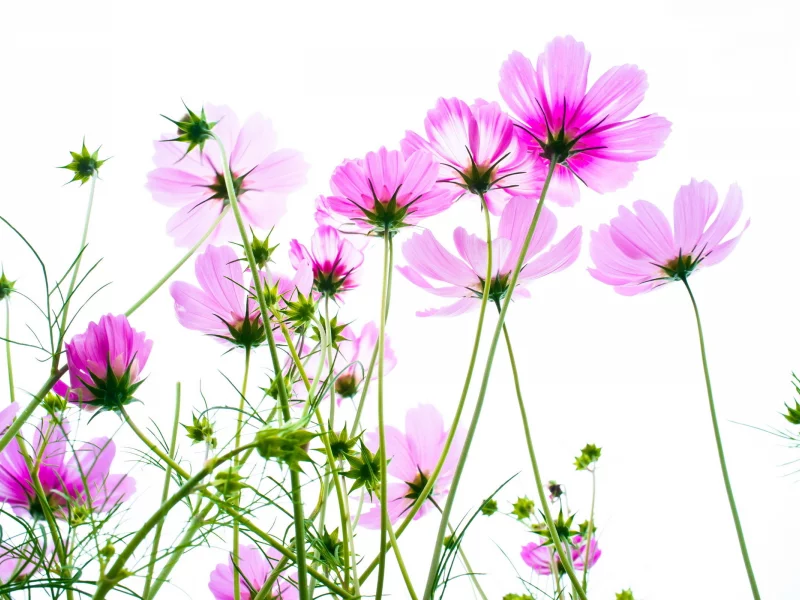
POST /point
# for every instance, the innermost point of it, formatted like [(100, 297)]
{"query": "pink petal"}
[(561, 73), (694, 205), (612, 97), (429, 258)]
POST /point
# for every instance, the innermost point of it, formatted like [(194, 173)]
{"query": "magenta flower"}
[(333, 258), (263, 177), (464, 276), (105, 363), (478, 151), (7, 416), (386, 191), (253, 568), (541, 558), (353, 358), (72, 488), (583, 131), (413, 456), (637, 251)]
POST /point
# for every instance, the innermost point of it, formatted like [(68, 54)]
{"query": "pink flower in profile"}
[(354, 356), (413, 456), (386, 191), (263, 178), (584, 131), (637, 251), (83, 482), (465, 275), (7, 416), (478, 151), (333, 259), (253, 569), (541, 557), (105, 363)]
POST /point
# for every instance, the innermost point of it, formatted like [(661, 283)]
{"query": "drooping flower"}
[(7, 416), (465, 276), (333, 258), (478, 152), (73, 488), (584, 131), (105, 363), (386, 191), (253, 569), (637, 251), (541, 557), (263, 177), (413, 456)]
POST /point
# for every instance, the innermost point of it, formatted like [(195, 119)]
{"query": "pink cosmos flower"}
[(263, 177), (83, 482), (254, 568), (17, 562), (478, 151), (333, 258), (464, 276), (386, 191), (541, 558), (637, 251), (583, 130), (105, 363), (413, 457), (7, 416)]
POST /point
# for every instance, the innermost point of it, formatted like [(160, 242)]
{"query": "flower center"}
[(498, 288), (247, 333), (416, 487), (478, 180), (681, 267), (220, 190)]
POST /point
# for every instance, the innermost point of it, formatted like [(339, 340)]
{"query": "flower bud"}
[(84, 165), (489, 507), (288, 447), (201, 430), (107, 551), (523, 508), (590, 454), (228, 483), (193, 129), (625, 595), (6, 286)]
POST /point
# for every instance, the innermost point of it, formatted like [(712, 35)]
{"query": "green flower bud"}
[(54, 404), (78, 514), (228, 483), (6, 286), (625, 595), (194, 129), (107, 551), (341, 445), (589, 455), (84, 165), (523, 508), (489, 507), (288, 447), (365, 469), (517, 597), (201, 430), (262, 251), (300, 312)]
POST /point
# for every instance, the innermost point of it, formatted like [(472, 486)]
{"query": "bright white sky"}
[(622, 373)]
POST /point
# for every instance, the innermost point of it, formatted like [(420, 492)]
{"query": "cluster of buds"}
[(288, 446)]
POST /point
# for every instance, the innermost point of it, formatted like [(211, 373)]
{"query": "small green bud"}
[(583, 528), (489, 507), (336, 331), (78, 514), (625, 595), (523, 508), (589, 455), (201, 430), (84, 165), (54, 404), (328, 550), (288, 447), (262, 251), (107, 551), (228, 483), (273, 392), (517, 597), (449, 542), (194, 129), (6, 286), (341, 445), (555, 489), (300, 312), (365, 469)]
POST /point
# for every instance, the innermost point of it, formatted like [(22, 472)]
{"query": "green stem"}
[(512, 284), (589, 533), (8, 351), (164, 492), (472, 575), (565, 558), (401, 563), (384, 497), (297, 498), (26, 413), (63, 327), (237, 584), (177, 265), (728, 489)]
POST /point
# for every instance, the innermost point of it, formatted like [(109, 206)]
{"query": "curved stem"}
[(26, 413), (177, 265), (8, 351), (723, 466)]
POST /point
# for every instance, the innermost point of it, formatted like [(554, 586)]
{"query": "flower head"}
[(465, 275), (412, 458), (333, 258), (386, 191), (541, 557), (478, 151), (84, 164), (6, 286), (75, 487), (583, 131), (638, 251), (263, 176), (253, 569), (105, 363)]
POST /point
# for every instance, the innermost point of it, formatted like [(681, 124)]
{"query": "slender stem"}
[(237, 583), (384, 496), (472, 575), (362, 400), (62, 330), (297, 499), (718, 438), (512, 284), (589, 533), (154, 448), (8, 351), (461, 402), (26, 413), (563, 555), (326, 353), (401, 563), (165, 492), (177, 265)]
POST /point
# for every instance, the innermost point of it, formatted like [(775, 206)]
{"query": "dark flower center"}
[(220, 190), (498, 288), (681, 267), (416, 487), (346, 385)]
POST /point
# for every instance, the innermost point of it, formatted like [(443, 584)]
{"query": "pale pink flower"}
[(333, 258), (637, 251), (253, 568), (413, 456), (7, 416), (386, 191), (18, 562), (541, 557), (82, 482), (105, 363), (263, 177), (478, 152), (583, 130), (465, 274)]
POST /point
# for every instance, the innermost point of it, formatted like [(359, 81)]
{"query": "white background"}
[(342, 79)]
